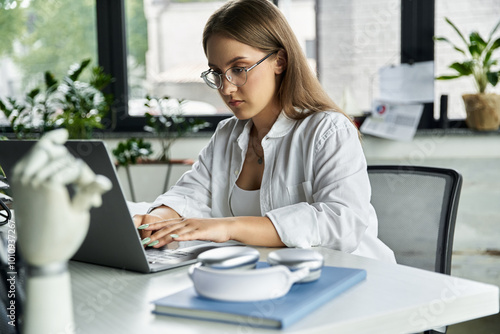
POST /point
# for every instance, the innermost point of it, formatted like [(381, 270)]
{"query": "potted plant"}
[(83, 104), (32, 115), (74, 104), (166, 121), (132, 150), (483, 109)]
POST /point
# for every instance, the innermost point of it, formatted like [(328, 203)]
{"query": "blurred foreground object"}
[(54, 193)]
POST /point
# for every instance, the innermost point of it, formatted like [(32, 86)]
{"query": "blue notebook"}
[(302, 299)]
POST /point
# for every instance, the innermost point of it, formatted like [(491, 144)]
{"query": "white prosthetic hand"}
[(51, 225)]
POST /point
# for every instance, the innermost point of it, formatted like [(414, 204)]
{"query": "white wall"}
[(356, 38)]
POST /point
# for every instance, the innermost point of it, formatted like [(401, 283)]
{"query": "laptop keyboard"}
[(168, 256)]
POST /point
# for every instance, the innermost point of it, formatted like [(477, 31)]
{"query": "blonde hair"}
[(260, 24)]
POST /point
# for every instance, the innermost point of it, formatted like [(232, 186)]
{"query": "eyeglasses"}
[(236, 75), (5, 214)]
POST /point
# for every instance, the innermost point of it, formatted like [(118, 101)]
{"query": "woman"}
[(288, 169)]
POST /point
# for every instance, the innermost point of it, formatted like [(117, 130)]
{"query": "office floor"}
[(476, 251)]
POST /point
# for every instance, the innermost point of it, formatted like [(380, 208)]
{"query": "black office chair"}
[(416, 208)]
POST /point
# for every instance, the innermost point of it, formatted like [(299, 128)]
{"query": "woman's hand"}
[(159, 214), (162, 232)]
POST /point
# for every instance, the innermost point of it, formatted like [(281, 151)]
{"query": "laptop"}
[(112, 239)]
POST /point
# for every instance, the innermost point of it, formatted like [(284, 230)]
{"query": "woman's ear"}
[(280, 62)]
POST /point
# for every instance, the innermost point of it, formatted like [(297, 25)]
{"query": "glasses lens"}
[(237, 76), (212, 79)]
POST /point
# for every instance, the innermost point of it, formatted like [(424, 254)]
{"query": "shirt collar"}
[(282, 126), (244, 136)]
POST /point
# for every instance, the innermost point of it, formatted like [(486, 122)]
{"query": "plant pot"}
[(483, 111)]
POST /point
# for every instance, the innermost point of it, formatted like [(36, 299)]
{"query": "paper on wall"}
[(407, 83)]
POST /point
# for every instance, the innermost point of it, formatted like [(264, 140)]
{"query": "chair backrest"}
[(416, 208)]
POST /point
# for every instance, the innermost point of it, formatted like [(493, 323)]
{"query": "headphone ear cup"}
[(243, 285), (229, 258)]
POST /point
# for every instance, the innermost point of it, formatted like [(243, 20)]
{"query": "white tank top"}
[(245, 202)]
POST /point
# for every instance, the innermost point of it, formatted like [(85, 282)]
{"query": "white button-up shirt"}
[(315, 187)]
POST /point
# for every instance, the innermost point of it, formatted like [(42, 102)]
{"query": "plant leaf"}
[(447, 77), (33, 93), (490, 48), (475, 50), (486, 61), (50, 81), (76, 69), (493, 31), (495, 44), (463, 68), (444, 39), (100, 79), (476, 39), (492, 78), (456, 29), (3, 108)]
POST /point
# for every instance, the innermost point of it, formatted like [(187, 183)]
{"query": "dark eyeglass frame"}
[(210, 71), (7, 215)]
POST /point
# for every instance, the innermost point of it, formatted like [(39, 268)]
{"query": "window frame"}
[(112, 54), (416, 45)]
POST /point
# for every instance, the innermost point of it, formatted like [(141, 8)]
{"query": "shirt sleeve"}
[(339, 212)]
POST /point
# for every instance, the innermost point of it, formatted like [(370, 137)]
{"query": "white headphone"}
[(227, 273)]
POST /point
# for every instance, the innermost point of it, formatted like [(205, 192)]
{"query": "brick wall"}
[(357, 38)]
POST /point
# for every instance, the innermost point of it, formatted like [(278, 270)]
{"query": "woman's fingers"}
[(157, 232), (153, 229), (170, 231), (158, 225), (141, 221), (138, 220), (188, 229)]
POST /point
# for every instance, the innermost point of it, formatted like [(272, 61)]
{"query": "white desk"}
[(393, 299)]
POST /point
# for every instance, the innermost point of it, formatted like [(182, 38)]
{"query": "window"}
[(166, 55), (165, 52), (39, 36), (154, 47), (301, 15), (468, 16)]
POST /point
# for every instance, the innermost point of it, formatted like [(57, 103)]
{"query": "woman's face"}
[(258, 96)]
